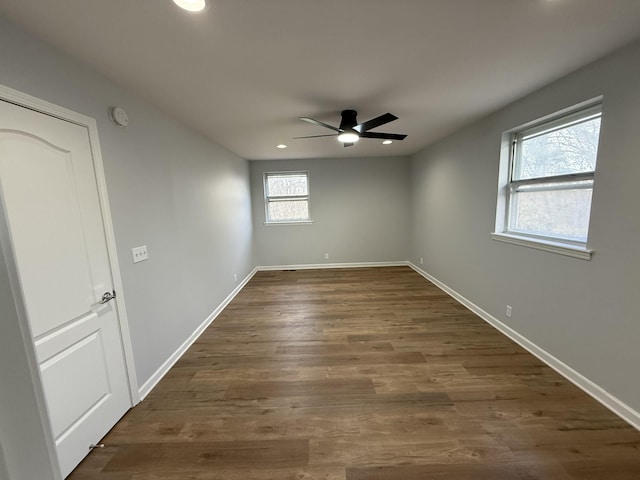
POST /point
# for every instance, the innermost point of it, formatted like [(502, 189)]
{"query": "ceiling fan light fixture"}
[(348, 136), (191, 5), (387, 142)]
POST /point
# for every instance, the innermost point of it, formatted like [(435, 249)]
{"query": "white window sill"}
[(303, 222), (545, 245)]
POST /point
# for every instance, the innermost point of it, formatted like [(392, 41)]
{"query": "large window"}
[(287, 197), (549, 182)]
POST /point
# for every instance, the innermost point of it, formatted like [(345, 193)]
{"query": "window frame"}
[(280, 198), (508, 186)]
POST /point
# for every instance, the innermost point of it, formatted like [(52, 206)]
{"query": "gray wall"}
[(585, 313), (359, 208), (184, 197)]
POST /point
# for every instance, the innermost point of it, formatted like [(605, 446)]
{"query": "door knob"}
[(108, 296)]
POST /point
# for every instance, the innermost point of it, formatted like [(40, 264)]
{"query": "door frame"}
[(32, 103)]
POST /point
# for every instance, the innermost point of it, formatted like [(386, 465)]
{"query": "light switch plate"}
[(139, 253)]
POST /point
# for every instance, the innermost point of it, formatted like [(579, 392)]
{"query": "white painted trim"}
[(317, 266), (125, 334), (22, 99), (610, 401), (545, 245), (288, 224), (146, 388)]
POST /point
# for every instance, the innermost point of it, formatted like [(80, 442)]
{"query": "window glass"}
[(562, 151), (286, 185), (552, 209), (288, 211)]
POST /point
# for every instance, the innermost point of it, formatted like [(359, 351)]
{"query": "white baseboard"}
[(170, 362), (613, 403), (316, 266)]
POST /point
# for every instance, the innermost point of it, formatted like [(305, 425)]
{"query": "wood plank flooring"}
[(361, 374)]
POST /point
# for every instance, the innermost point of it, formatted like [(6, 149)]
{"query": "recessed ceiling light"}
[(282, 145), (387, 142), (191, 5)]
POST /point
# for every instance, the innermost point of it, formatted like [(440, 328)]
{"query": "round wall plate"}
[(119, 116)]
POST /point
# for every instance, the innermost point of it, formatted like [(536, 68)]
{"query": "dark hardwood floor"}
[(361, 374)]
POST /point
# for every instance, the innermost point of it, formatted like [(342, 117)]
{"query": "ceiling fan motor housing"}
[(348, 119)]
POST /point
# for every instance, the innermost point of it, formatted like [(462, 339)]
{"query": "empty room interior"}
[(339, 240)]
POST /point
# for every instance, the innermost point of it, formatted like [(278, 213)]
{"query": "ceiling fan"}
[(350, 131)]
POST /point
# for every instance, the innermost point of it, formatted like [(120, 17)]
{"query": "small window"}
[(287, 197), (547, 196)]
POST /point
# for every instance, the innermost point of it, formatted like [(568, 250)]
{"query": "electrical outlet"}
[(508, 312), (139, 253), (235, 277), (421, 261), (326, 256)]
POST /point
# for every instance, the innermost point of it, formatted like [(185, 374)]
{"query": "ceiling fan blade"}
[(375, 122), (311, 120), (316, 136), (384, 136)]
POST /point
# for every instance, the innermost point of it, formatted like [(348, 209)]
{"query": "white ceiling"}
[(243, 71)]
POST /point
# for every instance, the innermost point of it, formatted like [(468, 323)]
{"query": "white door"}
[(48, 185)]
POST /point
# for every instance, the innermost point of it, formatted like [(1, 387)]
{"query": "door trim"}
[(27, 101)]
